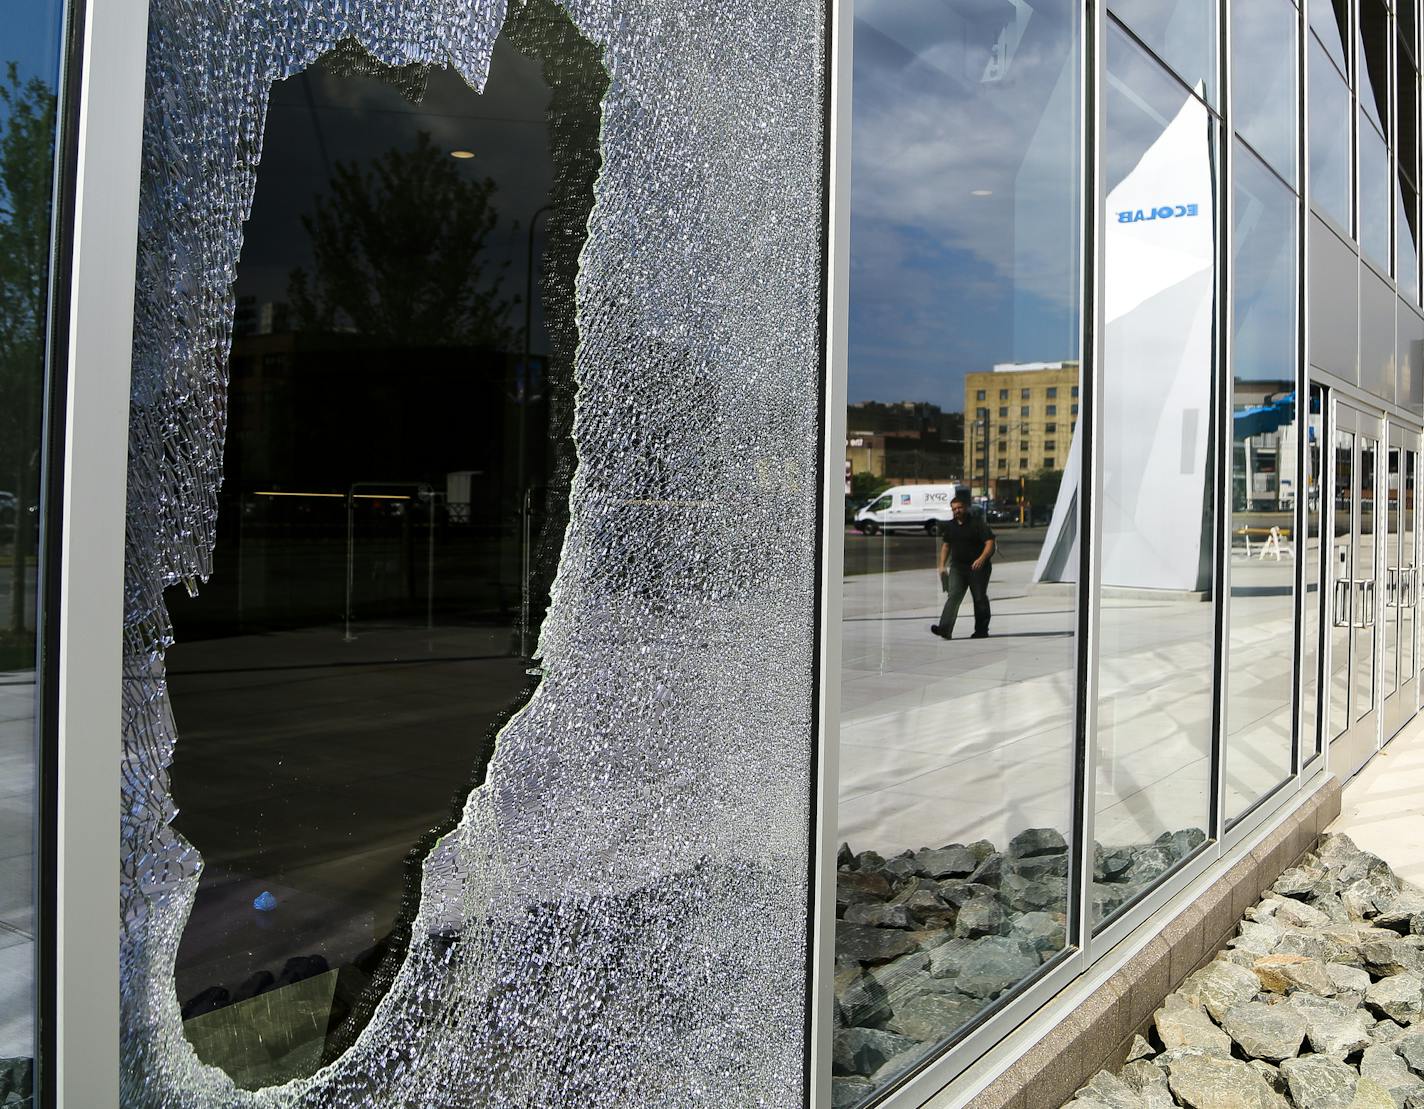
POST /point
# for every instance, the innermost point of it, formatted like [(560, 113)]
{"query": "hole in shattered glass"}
[(395, 488)]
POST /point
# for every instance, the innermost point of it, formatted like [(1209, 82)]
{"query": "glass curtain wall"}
[(1260, 664), (30, 59), (1156, 625), (1375, 208), (1406, 220), (1330, 115), (957, 738), (1312, 550)]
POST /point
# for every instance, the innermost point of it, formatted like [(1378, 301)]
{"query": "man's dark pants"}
[(962, 577)]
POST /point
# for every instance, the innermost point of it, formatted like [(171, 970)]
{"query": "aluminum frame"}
[(112, 55)]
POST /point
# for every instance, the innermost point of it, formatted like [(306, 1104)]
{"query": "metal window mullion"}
[(1223, 374), (110, 114), (822, 900), (1090, 479), (1302, 411)]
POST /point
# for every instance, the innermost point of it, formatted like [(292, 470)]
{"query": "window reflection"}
[(1180, 32), (957, 755), (1156, 633), (1330, 20), (29, 82), (1316, 455), (1263, 59), (1375, 205), (1264, 486), (401, 371), (1330, 119)]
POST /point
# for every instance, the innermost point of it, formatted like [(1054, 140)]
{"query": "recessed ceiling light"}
[(462, 153), (982, 192)]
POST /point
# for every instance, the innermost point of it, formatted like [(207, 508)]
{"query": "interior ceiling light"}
[(982, 192), (462, 153)]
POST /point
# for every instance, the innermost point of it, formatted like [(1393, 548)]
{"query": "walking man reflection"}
[(966, 548)]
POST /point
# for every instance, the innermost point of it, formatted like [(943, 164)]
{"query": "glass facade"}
[(503, 697), (30, 79), (959, 620)]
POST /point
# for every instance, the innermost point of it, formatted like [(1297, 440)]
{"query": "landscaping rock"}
[(1320, 1082), (1221, 986), (1044, 932), (864, 1051), (1399, 997), (1332, 1027), (931, 1014), (946, 862), (1271, 1032), (983, 916), (1206, 1082), (871, 945), (1188, 1026), (1037, 841), (1383, 1065), (1283, 973)]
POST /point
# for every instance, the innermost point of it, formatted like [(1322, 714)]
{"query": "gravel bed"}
[(1317, 1003)]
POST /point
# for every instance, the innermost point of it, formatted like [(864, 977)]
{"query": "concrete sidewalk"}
[(1382, 807)]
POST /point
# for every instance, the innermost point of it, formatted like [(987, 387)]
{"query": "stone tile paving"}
[(927, 939), (1317, 1003)]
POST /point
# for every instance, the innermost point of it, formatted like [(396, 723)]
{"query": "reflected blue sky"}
[(29, 35), (964, 224)]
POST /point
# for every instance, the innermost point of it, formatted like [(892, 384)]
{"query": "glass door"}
[(1355, 618), (1400, 678)]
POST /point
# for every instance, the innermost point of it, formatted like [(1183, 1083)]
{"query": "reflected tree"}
[(26, 169), (399, 253)]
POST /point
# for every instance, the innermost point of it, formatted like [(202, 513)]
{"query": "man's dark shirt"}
[(966, 541)]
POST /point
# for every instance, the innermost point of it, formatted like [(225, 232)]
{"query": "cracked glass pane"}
[(476, 356)]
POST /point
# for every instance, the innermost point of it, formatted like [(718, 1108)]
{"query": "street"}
[(883, 554)]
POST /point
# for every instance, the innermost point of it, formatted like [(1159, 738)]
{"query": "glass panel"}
[(1180, 32), (1406, 202), (1328, 146), (1341, 570), (1374, 196), (957, 755), (414, 786), (30, 46), (1409, 581), (1367, 614), (1315, 458), (1390, 593), (1261, 655), (1404, 11), (1156, 636), (1263, 58), (380, 572), (1374, 73), (1407, 135), (1330, 20)]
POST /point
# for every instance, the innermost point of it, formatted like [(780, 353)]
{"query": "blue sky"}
[(29, 34)]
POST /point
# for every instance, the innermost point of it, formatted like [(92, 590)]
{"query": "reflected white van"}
[(906, 508)]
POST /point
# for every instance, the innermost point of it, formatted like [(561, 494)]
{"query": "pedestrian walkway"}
[(1382, 807)]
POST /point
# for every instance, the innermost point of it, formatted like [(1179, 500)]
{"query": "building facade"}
[(437, 670)]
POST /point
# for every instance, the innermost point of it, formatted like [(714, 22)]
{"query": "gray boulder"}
[(932, 1012), (872, 945), (983, 968), (1208, 1082), (1399, 997), (1302, 882), (983, 916), (1220, 986), (1037, 841), (1320, 1082), (1382, 1064), (848, 1091), (877, 914), (864, 1051), (1272, 1032), (1186, 1026), (1332, 1028), (1044, 932), (946, 862), (1283, 973)]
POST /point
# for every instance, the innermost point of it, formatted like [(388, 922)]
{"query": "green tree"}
[(399, 253), (26, 172)]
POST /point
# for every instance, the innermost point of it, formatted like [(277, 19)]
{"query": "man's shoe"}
[(934, 630), (980, 635)]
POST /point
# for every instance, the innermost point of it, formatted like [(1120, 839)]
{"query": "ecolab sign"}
[(1166, 211)]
